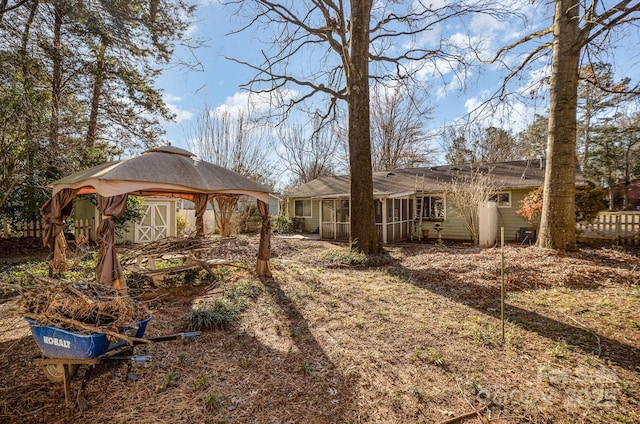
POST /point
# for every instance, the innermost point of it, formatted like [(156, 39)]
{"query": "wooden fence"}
[(618, 227), (25, 229), (84, 227)]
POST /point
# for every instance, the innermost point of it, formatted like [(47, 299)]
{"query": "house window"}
[(503, 199), (433, 207), (303, 208)]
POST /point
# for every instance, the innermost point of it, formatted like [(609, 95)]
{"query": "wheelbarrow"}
[(64, 351)]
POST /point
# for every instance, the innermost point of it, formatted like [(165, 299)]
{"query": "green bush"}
[(344, 256), (284, 225), (181, 223), (243, 290), (224, 313), (220, 315), (133, 213)]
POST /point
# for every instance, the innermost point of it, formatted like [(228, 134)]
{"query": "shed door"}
[(153, 225)]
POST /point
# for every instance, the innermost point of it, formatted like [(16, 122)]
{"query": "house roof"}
[(398, 182), (163, 171)]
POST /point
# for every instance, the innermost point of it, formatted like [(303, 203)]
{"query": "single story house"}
[(413, 199)]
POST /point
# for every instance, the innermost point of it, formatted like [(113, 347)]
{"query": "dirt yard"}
[(417, 339)]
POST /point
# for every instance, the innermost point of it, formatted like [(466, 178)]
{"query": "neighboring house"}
[(187, 210), (633, 195), (410, 198)]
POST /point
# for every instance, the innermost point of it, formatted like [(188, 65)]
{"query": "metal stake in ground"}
[(502, 279)]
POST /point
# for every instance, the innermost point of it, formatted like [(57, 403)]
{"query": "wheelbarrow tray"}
[(55, 342)]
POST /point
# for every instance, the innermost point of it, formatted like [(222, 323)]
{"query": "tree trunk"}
[(28, 93), (224, 215), (364, 237), (587, 135), (56, 78), (557, 224), (92, 129)]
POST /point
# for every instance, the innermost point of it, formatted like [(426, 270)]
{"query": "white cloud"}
[(181, 115), (209, 3), (455, 85), (512, 115), (192, 29), (251, 103)]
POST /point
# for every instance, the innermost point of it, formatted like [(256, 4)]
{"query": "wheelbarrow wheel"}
[(55, 372)]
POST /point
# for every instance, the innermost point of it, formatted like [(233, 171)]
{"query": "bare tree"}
[(398, 137), (576, 24), (336, 41), (308, 154), (465, 194), (229, 140)]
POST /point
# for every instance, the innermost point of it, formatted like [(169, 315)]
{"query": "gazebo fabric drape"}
[(263, 267), (200, 202), (109, 271), (54, 212)]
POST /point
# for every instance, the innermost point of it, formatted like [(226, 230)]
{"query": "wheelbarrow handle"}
[(134, 358), (173, 336)]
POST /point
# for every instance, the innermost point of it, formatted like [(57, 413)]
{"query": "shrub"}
[(589, 201), (220, 315), (284, 225), (181, 223), (347, 257), (224, 313), (531, 205)]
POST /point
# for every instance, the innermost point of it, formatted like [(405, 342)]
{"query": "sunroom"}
[(394, 217)]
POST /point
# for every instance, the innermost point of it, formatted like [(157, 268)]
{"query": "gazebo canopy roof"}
[(163, 171)]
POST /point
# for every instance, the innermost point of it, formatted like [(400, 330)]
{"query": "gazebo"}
[(163, 171)]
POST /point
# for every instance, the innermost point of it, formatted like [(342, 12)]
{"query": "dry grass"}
[(417, 340)]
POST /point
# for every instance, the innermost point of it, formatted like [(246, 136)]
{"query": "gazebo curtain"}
[(54, 212), (109, 271)]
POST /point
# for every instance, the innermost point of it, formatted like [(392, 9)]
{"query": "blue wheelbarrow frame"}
[(63, 351)]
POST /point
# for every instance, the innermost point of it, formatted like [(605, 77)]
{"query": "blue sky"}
[(218, 83)]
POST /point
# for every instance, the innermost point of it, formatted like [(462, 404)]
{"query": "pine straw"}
[(241, 248), (417, 341), (82, 307)]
